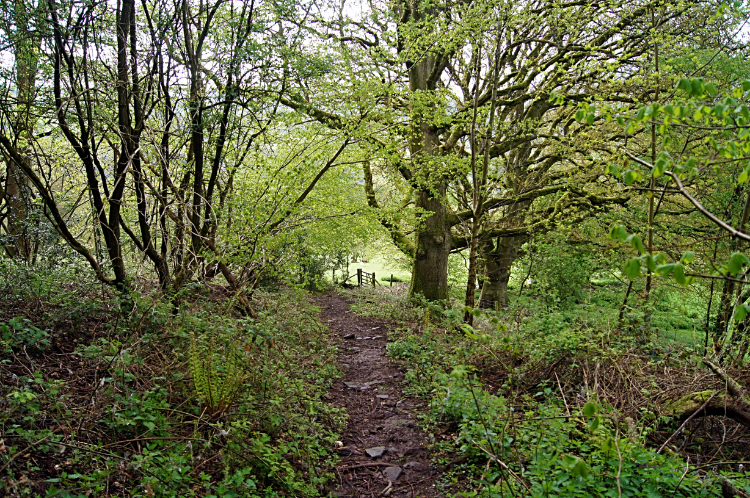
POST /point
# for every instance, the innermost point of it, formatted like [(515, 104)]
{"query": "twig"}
[(732, 386), (388, 489), (713, 464), (686, 421), (19, 453), (502, 464), (563, 394), (708, 214), (372, 464), (619, 468)]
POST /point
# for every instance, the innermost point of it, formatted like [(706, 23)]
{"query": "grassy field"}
[(381, 268)]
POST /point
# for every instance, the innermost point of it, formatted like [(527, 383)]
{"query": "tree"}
[(720, 121), (22, 33), (122, 79), (418, 71)]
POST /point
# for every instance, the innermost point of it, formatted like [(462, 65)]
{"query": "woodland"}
[(549, 201)]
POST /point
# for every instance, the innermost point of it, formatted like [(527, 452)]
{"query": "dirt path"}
[(384, 453)]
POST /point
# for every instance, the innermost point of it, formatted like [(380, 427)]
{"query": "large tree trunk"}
[(18, 192), (498, 259), (17, 196), (430, 269)]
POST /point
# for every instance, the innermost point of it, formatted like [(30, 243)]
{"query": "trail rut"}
[(384, 453)]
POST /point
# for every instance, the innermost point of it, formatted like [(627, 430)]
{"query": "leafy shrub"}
[(547, 453), (561, 271), (391, 278), (19, 332)]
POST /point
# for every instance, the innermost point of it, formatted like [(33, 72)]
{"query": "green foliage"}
[(561, 272), (125, 402), (389, 279), (218, 374), (20, 332), (556, 455)]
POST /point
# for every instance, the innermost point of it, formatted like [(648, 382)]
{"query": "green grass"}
[(381, 268)]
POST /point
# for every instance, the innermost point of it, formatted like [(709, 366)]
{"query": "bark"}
[(498, 259), (18, 193), (17, 196), (430, 268)]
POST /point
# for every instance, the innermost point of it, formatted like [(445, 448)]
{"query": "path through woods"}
[(385, 453)]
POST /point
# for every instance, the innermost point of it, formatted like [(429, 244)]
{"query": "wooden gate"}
[(364, 277)]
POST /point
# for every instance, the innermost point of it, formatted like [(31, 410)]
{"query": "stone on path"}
[(392, 473), (375, 452)]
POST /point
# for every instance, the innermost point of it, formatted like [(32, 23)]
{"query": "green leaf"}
[(679, 274), (697, 87), (579, 115), (746, 85), (684, 84), (590, 118), (590, 409), (740, 312), (688, 257), (633, 268), (594, 424), (618, 232), (650, 263), (612, 169), (630, 177), (636, 242), (580, 469), (711, 89), (736, 262), (661, 164), (665, 270)]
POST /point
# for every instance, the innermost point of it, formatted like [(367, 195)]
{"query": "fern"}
[(218, 374)]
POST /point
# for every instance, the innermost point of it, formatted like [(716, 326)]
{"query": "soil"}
[(381, 417)]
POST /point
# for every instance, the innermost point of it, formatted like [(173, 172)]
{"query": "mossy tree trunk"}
[(499, 257)]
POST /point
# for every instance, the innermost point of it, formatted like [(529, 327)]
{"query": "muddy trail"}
[(384, 452)]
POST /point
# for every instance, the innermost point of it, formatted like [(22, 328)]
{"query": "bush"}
[(20, 332), (561, 271)]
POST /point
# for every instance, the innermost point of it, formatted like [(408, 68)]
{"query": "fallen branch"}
[(731, 402), (699, 410)]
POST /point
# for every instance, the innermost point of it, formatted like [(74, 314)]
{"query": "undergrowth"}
[(538, 404), (99, 402)]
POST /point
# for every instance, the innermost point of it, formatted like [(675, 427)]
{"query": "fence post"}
[(391, 279), (359, 277), (373, 279)]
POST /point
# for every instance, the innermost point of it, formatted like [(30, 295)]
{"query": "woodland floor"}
[(381, 417)]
